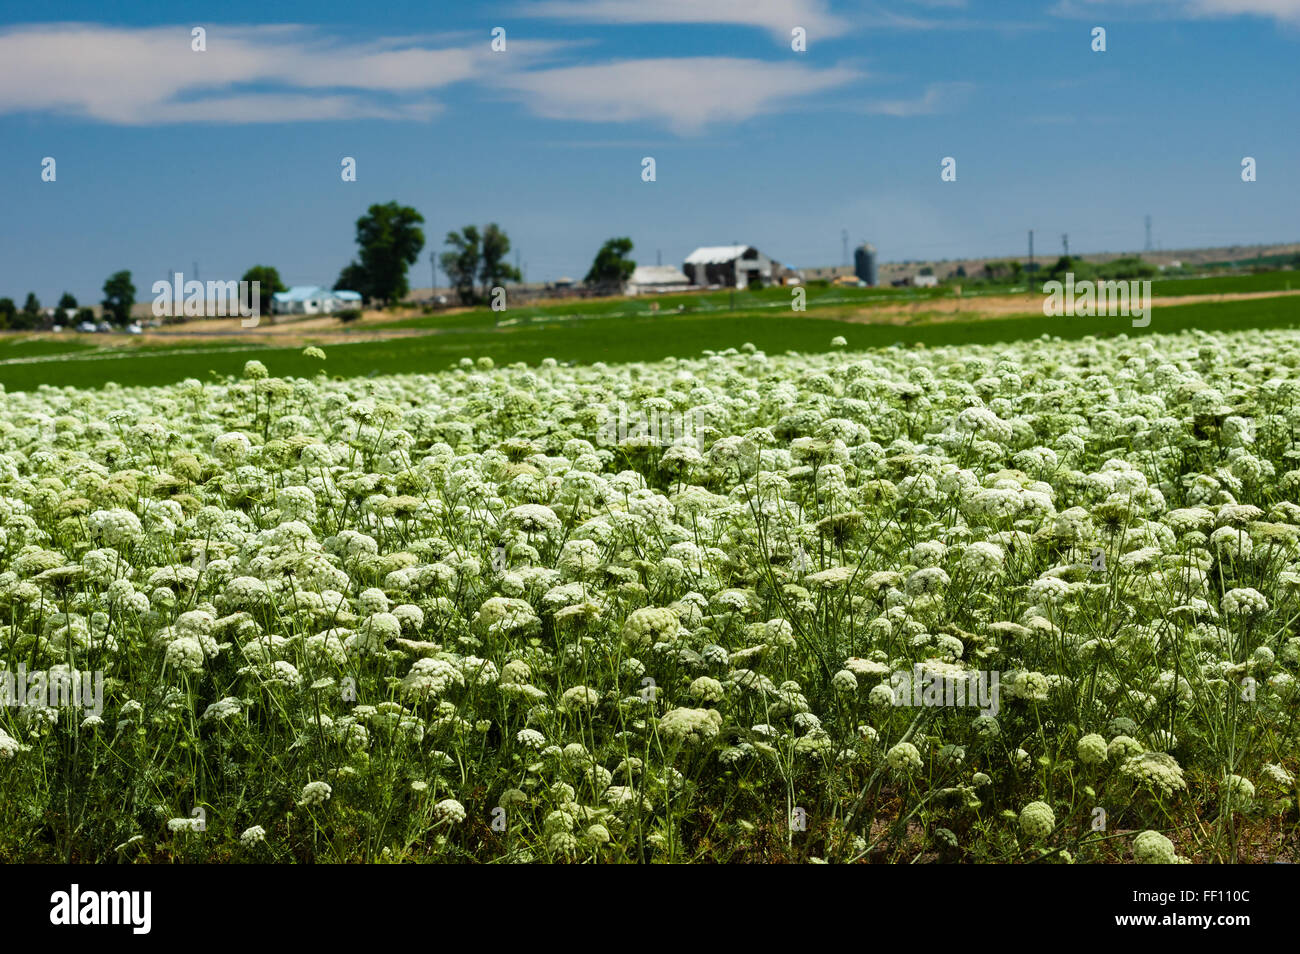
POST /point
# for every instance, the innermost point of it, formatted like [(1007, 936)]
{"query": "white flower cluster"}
[(450, 585)]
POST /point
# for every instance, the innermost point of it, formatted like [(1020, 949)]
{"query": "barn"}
[(732, 266)]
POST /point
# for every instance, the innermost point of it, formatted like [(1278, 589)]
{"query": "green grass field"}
[(1228, 284), (627, 338)]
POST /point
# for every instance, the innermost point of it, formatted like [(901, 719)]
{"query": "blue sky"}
[(231, 157)]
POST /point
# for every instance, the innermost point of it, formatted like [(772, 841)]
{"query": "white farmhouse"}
[(313, 300)]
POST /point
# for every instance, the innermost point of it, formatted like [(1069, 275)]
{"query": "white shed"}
[(657, 279)]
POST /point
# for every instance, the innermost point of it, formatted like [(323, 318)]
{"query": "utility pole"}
[(1065, 244), (1147, 247), (433, 262), (844, 241), (1031, 251), (659, 256)]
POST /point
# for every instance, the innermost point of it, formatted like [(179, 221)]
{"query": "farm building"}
[(864, 263), (784, 275), (313, 300), (657, 279), (734, 266)]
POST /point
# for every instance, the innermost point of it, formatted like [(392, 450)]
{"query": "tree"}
[(352, 278), (495, 270), (7, 312), (390, 240), (30, 314), (66, 302), (478, 255), (119, 296), (269, 278), (995, 271), (1127, 269), (461, 263), (611, 265)]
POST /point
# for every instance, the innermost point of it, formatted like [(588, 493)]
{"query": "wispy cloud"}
[(934, 15), (685, 94), (937, 98), (776, 16), (278, 73), (1283, 11)]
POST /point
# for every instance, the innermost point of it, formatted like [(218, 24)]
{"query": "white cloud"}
[(1283, 11), (684, 94), (938, 97), (289, 107), (151, 75), (777, 16)]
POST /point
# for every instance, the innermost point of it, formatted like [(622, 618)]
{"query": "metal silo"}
[(864, 263)]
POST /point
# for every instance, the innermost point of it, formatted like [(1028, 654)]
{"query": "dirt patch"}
[(1005, 306)]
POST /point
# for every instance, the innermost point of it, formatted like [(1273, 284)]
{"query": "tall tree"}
[(119, 296), (30, 314), (353, 278), (461, 264), (7, 312), (495, 270), (269, 279), (68, 300), (611, 265), (390, 240)]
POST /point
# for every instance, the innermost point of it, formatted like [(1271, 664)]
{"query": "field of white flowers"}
[(446, 617)]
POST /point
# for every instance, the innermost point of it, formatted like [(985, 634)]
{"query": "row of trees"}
[(389, 239), (1119, 269), (1127, 268), (119, 296), (481, 254), (119, 299)]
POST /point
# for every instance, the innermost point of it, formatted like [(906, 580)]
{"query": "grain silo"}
[(864, 263)]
